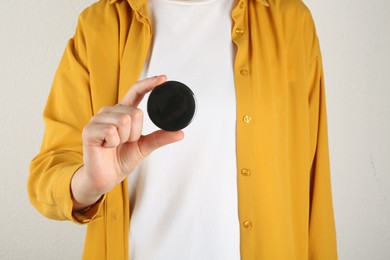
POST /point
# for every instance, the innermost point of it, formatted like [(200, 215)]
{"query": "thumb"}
[(150, 142)]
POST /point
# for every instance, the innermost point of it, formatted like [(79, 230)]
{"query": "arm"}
[(84, 155), (67, 110), (322, 234)]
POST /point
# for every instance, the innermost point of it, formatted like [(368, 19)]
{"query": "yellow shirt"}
[(284, 189)]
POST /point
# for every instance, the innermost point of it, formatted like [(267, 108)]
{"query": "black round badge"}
[(171, 106)]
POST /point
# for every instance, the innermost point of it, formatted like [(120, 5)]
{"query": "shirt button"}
[(244, 72), (246, 172), (247, 119), (241, 5), (239, 31), (247, 224)]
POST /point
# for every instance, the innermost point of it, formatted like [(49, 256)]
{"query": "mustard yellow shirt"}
[(284, 187)]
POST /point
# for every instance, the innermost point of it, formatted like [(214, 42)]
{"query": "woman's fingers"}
[(123, 122), (115, 125), (125, 116), (136, 124), (118, 128), (105, 135), (136, 93), (149, 143)]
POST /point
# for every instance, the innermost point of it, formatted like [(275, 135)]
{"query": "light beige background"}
[(355, 40)]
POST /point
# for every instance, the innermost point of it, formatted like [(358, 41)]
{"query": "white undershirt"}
[(184, 196)]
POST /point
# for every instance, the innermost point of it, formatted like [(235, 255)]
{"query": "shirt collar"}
[(137, 2), (138, 5)]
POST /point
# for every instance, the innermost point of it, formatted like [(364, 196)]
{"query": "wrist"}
[(84, 194)]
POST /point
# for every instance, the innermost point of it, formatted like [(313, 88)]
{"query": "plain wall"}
[(355, 41)]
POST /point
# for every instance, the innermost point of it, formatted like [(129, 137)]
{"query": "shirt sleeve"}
[(322, 234), (67, 111)]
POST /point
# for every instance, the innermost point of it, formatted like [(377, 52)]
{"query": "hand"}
[(113, 145)]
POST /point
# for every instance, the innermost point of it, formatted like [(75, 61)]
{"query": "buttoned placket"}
[(242, 73)]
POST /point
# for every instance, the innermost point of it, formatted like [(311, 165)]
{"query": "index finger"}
[(137, 92)]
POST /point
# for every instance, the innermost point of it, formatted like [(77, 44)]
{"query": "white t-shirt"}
[(184, 195)]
